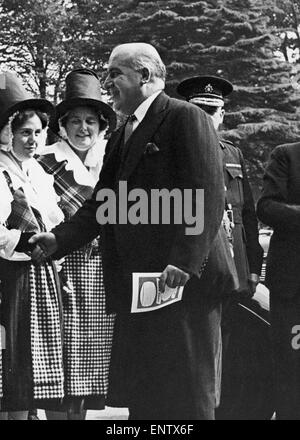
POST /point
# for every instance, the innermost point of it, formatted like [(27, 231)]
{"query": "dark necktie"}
[(129, 127), (127, 133)]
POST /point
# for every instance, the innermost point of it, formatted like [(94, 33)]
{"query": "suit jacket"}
[(279, 207), (186, 156), (248, 253)]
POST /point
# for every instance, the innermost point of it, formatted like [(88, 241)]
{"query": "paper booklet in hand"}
[(146, 295)]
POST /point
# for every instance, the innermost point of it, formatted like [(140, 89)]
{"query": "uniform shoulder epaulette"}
[(227, 142)]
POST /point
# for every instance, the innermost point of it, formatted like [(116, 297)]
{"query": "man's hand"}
[(46, 245), (173, 277), (253, 281)]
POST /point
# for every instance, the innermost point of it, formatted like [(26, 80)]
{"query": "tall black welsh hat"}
[(14, 97), (83, 89), (205, 89)]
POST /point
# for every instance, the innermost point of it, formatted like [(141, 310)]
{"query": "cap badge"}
[(209, 88)]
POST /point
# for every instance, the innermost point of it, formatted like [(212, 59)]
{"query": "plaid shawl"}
[(72, 194), (23, 216)]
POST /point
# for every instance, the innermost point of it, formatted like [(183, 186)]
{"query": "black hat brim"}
[(43, 105), (67, 105), (192, 83)]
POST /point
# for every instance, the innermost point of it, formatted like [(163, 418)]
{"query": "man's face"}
[(123, 83), (218, 117)]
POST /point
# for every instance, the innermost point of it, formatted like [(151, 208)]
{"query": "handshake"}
[(42, 246)]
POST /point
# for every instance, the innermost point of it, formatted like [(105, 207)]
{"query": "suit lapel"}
[(111, 159), (143, 134), (113, 145)]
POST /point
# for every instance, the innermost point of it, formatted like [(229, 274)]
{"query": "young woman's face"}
[(27, 138), (82, 127)]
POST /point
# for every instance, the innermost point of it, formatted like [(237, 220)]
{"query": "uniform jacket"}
[(279, 207), (239, 195), (186, 155)]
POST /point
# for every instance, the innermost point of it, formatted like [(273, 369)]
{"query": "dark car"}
[(247, 381)]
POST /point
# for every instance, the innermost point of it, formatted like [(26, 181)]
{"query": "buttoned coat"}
[(279, 207), (164, 363)]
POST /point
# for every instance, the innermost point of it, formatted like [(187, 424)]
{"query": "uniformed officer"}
[(208, 93), (243, 391)]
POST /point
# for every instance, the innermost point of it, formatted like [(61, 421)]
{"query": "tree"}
[(287, 20), (105, 22), (237, 39), (263, 110), (245, 41), (42, 40)]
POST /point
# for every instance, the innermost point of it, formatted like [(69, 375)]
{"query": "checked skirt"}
[(46, 334), (88, 329), (32, 364)]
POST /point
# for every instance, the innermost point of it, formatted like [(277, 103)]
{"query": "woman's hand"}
[(20, 197)]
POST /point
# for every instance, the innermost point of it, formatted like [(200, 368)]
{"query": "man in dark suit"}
[(165, 363), (279, 207)]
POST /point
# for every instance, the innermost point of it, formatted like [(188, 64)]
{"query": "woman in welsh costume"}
[(30, 308), (75, 162)]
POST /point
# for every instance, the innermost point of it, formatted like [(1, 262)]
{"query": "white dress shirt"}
[(142, 109)]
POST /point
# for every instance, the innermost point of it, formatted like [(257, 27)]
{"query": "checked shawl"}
[(71, 193), (23, 216)]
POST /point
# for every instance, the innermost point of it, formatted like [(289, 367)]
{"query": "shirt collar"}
[(142, 109)]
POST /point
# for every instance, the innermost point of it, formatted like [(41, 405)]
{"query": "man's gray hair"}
[(143, 55), (153, 64)]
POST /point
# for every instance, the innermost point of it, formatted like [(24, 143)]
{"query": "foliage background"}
[(253, 43)]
